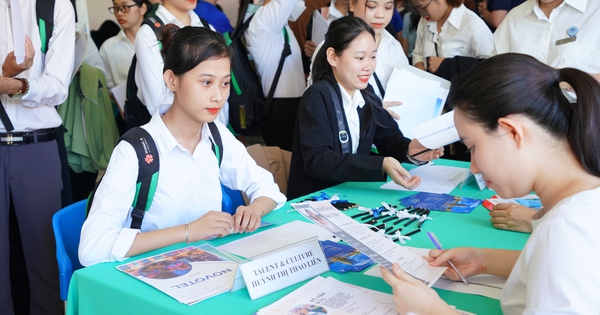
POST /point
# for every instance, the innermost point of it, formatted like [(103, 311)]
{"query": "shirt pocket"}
[(454, 48), (582, 57)]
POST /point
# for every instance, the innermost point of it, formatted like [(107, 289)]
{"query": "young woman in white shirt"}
[(117, 51), (149, 68), (524, 135), (187, 201), (448, 29)]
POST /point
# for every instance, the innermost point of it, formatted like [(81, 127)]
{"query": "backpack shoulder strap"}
[(45, 19), (284, 53), (149, 164), (204, 23), (217, 145), (155, 24), (343, 134)]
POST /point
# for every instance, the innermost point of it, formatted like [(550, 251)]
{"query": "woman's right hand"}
[(399, 174), (212, 224), (469, 261)]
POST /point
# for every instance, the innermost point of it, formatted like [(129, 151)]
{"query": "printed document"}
[(434, 179), (376, 246)]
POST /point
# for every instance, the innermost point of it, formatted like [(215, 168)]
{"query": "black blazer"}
[(317, 161)]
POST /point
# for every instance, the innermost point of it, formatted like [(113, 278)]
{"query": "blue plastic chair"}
[(232, 199), (67, 224)]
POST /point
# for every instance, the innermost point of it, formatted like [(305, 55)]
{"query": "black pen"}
[(412, 232), (394, 231), (381, 226), (389, 219), (399, 220), (411, 221), (419, 153), (360, 215)]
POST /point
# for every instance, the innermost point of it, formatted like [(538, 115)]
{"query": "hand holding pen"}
[(438, 245)]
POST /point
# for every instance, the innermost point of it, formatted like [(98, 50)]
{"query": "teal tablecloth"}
[(102, 289)]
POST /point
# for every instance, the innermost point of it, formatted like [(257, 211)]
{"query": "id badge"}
[(566, 40)]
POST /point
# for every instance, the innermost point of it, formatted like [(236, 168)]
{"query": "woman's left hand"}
[(412, 295), (247, 219)]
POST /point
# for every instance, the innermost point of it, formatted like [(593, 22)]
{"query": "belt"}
[(21, 138)]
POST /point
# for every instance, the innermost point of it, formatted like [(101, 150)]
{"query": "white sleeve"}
[(105, 235), (52, 87), (501, 38), (273, 16), (110, 81), (152, 90), (309, 81), (418, 51), (240, 172), (482, 41)]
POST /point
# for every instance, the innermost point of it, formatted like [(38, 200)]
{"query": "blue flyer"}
[(343, 258), (441, 202)]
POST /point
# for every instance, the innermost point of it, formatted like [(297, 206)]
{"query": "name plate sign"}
[(283, 268)]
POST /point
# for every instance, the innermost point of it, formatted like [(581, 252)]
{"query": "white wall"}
[(98, 11)]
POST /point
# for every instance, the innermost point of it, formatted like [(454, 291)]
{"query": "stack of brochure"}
[(189, 275)]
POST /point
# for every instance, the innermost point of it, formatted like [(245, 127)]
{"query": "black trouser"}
[(279, 130), (31, 178)]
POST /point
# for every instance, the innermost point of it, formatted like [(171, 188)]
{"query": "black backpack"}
[(248, 107), (148, 169), (135, 112)]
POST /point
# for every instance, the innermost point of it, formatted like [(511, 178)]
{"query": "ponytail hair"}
[(512, 83), (183, 49)]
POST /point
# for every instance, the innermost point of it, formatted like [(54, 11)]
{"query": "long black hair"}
[(519, 84), (185, 48), (340, 34)]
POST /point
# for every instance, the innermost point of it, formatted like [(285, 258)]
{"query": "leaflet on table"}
[(422, 95), (437, 132), (374, 245), (477, 178), (484, 285), (530, 201), (434, 179), (332, 297), (189, 275), (343, 258), (441, 202)]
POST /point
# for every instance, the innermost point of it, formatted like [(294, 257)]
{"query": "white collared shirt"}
[(390, 55), (116, 53), (463, 34), (351, 103), (152, 90), (264, 39), (333, 13), (50, 75), (556, 272), (188, 187), (527, 30)]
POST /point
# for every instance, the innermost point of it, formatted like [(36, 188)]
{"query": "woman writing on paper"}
[(345, 63), (512, 105), (448, 29), (187, 201)]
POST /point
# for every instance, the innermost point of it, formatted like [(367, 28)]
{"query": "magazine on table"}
[(189, 275)]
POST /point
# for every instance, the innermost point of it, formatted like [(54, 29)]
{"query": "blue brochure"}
[(343, 258), (441, 202)]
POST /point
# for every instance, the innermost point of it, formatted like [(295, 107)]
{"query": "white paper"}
[(419, 97), (319, 27), (81, 46), (469, 177), (437, 132), (434, 179), (332, 297), (18, 31), (374, 245), (120, 94), (485, 285), (275, 238)]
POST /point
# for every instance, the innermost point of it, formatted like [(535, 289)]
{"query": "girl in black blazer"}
[(319, 160)]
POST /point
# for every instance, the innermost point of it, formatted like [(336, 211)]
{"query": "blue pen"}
[(438, 245)]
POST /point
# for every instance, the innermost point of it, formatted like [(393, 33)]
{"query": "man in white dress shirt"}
[(30, 166)]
